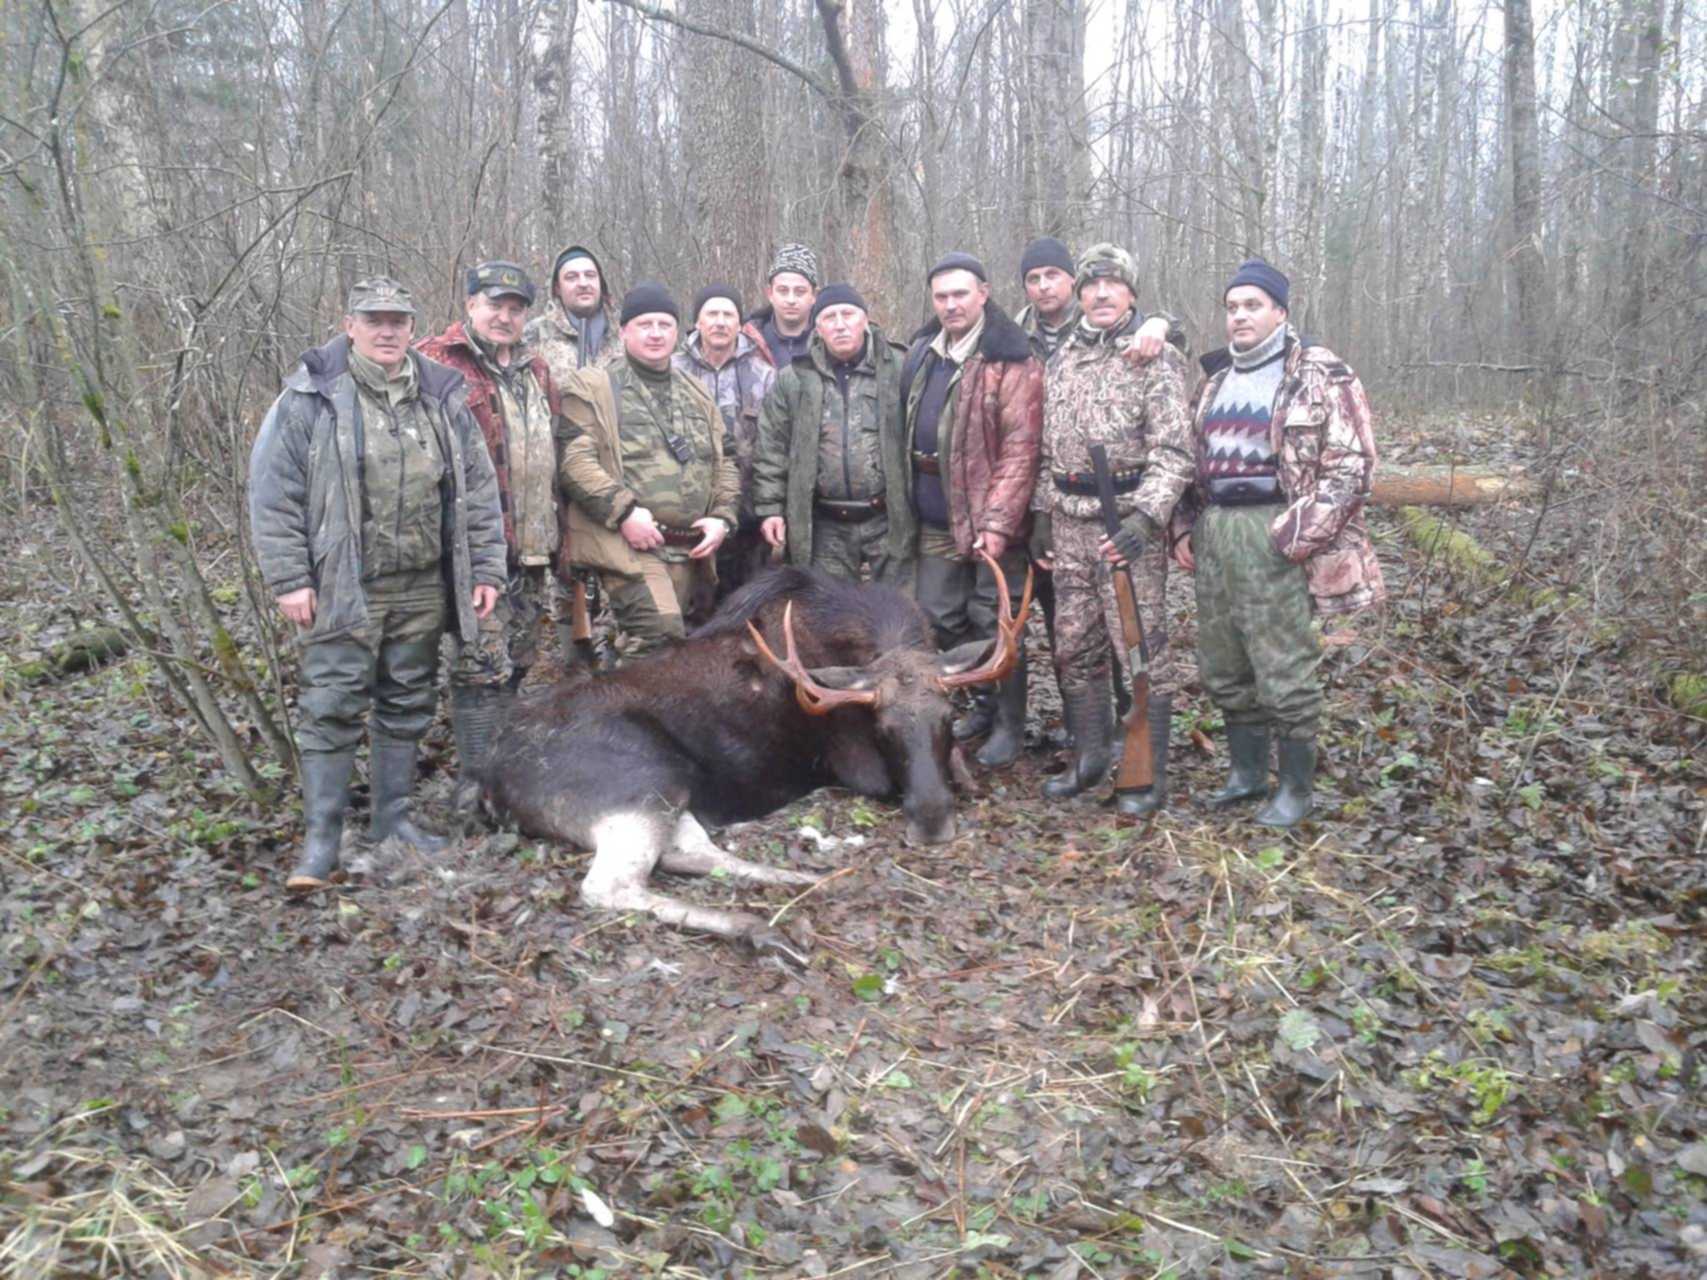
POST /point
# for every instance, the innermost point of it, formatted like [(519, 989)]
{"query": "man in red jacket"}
[(973, 396), (512, 397)]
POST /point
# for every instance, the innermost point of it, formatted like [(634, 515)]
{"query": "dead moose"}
[(635, 764)]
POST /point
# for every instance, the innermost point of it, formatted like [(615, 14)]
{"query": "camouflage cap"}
[(799, 259), (379, 293), (1103, 261), (498, 279)]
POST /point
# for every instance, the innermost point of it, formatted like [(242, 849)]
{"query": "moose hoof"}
[(766, 941)]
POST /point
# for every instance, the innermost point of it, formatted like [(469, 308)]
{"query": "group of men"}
[(467, 483)]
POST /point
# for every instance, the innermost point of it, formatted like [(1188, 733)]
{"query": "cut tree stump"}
[(1447, 487)]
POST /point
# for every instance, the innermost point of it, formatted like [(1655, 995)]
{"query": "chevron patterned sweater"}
[(1236, 428)]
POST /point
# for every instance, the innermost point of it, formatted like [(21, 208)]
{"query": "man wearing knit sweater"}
[(1273, 526)]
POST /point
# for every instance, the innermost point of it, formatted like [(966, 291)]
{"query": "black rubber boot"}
[(392, 774), (1090, 719), (1292, 798), (979, 717), (1008, 735), (325, 795), (1247, 777), (1150, 799), (476, 711)]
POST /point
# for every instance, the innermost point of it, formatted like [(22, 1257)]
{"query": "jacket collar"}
[(324, 366), (1003, 341)]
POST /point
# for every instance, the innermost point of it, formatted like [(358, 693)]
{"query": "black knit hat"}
[(956, 261), (1255, 271), (837, 295), (1045, 251), (581, 251), (645, 298), (711, 291)]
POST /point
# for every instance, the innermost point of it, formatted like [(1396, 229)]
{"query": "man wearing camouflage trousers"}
[(511, 395), (1274, 523), (374, 511), (1094, 395)]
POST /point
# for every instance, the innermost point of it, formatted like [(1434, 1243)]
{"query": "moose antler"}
[(1010, 633), (815, 699)]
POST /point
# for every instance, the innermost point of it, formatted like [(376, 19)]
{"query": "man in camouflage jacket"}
[(374, 513), (1093, 394), (651, 472), (512, 397), (1273, 526)]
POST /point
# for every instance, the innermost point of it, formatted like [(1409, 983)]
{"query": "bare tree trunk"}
[(724, 146), (1056, 149), (1528, 270), (553, 85)]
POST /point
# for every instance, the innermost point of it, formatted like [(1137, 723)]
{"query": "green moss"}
[(1687, 691), (1438, 538)]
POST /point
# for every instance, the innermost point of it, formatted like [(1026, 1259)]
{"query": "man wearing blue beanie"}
[(1273, 527)]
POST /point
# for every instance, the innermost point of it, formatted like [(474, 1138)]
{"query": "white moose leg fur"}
[(694, 854), (626, 846)]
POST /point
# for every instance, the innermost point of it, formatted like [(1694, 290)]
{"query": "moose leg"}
[(626, 847), (694, 854)]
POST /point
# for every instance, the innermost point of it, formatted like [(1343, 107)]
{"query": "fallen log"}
[(81, 651), (1447, 487)]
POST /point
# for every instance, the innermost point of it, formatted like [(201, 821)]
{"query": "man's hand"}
[(774, 530), (713, 530), (1182, 555), (299, 605), (1128, 544), (992, 543), (640, 530), (485, 600), (1148, 342)]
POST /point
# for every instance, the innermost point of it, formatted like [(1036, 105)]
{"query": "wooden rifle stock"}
[(1137, 763), (580, 623)]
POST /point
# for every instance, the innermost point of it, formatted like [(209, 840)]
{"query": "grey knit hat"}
[(797, 258)]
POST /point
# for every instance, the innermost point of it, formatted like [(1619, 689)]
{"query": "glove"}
[(1042, 542), (1134, 533)]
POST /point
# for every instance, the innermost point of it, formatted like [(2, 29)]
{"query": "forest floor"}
[(1451, 1027)]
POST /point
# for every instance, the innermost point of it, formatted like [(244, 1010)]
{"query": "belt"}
[(1085, 482), (926, 463), (681, 537), (1245, 491), (849, 511)]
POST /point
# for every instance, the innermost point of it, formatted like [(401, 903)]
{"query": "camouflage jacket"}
[(739, 388), (305, 492), (785, 468), (603, 446), (554, 337), (989, 453), (1092, 395), (1321, 432), (456, 349)]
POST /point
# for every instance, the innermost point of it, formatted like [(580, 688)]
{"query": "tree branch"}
[(655, 14)]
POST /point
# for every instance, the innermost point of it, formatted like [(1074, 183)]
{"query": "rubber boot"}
[(1297, 769), (392, 773), (325, 795), (1008, 735), (1150, 799), (979, 717), (475, 713), (1090, 718), (1247, 778)]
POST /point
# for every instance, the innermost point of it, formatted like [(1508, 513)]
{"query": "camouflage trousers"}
[(858, 550), (657, 605), (1087, 619), (1256, 650), (508, 641), (391, 664), (959, 595)]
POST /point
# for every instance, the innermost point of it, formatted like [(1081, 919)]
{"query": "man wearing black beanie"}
[(1046, 271), (652, 477), (830, 477)]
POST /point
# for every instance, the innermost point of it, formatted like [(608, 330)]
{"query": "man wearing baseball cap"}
[(1095, 395), (1273, 528), (374, 514), (652, 475), (512, 397)]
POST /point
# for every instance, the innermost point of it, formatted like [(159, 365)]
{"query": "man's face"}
[(650, 339), (1251, 316), (791, 296), (578, 286), (842, 327), (958, 298), (718, 322), (381, 336), (497, 321), (1049, 289), (1105, 301)]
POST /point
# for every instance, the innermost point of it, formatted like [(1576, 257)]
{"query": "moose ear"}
[(843, 677), (963, 657)]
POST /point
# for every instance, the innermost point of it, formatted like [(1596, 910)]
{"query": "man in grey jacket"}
[(374, 512)]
